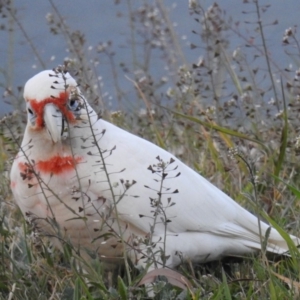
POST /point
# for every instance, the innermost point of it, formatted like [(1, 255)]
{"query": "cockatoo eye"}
[(74, 104), (31, 114)]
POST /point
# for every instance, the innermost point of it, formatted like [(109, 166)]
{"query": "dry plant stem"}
[(161, 170), (13, 265), (11, 293), (260, 51), (144, 254), (148, 105), (210, 74), (114, 71), (98, 99), (113, 195), (132, 34), (72, 151), (66, 32), (156, 213), (296, 41), (231, 72), (174, 38), (252, 180), (165, 238), (259, 21)]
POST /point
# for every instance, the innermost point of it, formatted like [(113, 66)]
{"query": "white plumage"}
[(89, 182)]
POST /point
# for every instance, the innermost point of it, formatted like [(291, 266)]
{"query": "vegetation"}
[(233, 116)]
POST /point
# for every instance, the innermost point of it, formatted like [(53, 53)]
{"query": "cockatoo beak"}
[(54, 122)]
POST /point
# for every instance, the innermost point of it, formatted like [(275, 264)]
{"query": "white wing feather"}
[(200, 210)]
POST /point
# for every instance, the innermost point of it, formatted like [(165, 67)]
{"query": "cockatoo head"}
[(53, 103)]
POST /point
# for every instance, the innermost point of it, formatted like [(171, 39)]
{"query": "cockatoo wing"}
[(200, 208)]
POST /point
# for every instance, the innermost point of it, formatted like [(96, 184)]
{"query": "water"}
[(101, 21)]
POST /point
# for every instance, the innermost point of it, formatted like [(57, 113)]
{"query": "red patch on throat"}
[(60, 102), (58, 164)]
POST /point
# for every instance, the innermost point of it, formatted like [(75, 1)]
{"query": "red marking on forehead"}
[(58, 164), (60, 102)]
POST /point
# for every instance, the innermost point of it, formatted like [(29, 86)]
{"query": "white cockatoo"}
[(87, 182)]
